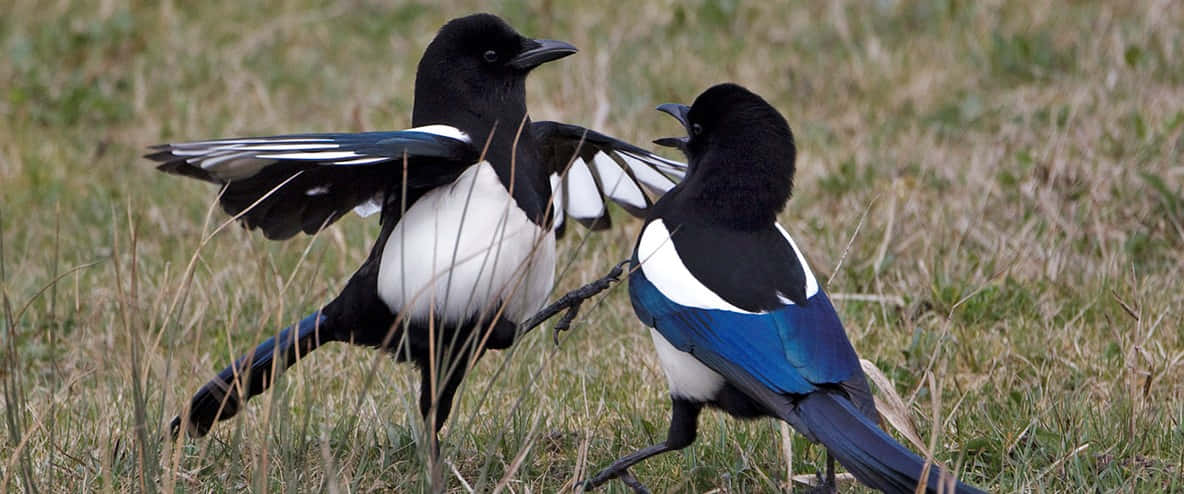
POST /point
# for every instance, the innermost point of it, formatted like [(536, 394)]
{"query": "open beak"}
[(679, 112), (541, 51)]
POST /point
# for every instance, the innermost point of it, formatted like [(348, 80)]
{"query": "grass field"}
[(1004, 178)]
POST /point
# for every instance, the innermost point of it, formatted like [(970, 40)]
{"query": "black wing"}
[(586, 166), (291, 183)]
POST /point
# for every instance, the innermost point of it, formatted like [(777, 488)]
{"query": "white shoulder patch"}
[(811, 282), (664, 268), (444, 131)]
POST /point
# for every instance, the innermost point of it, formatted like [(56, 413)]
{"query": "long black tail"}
[(250, 375), (870, 454)]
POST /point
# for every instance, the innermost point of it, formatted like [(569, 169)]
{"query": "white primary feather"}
[(317, 156), (617, 184), (463, 248), (363, 161), (556, 201), (232, 159), (647, 175), (672, 167), (287, 147), (583, 196), (686, 375), (216, 143)]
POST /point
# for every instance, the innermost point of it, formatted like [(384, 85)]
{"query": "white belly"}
[(688, 377), (462, 250)]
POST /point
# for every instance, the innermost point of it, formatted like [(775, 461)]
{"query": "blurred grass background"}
[(1007, 176)]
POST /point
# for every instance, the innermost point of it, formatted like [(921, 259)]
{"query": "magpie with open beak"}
[(738, 319), (471, 200)]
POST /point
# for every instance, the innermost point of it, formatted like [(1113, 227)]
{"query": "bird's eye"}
[(696, 129), (491, 56)]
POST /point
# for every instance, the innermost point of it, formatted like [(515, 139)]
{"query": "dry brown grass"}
[(1019, 164)]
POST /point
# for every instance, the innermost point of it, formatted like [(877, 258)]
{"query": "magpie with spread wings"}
[(470, 199)]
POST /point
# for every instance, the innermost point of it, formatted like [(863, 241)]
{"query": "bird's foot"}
[(632, 482), (826, 484), (611, 473), (823, 488), (579, 295), (571, 301), (213, 402)]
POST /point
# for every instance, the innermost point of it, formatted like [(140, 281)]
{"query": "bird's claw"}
[(565, 321), (626, 477), (575, 298), (826, 483), (213, 402), (175, 428), (632, 482)]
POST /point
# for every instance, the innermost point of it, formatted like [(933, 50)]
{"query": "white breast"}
[(462, 249), (687, 376)]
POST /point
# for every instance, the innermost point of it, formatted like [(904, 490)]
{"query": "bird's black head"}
[(478, 64), (741, 155)]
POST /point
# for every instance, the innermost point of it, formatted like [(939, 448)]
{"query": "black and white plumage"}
[(595, 165), (324, 176), (738, 319), (468, 203)]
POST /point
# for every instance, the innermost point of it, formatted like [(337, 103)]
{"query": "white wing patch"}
[(646, 175), (583, 196), (664, 268), (231, 159), (557, 201), (240, 158), (617, 184)]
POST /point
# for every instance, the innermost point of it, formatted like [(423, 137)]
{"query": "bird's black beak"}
[(679, 112), (541, 51)]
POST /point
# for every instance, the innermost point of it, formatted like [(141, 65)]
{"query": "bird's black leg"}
[(827, 484), (684, 424), (830, 472), (571, 301), (251, 374), (440, 400)]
